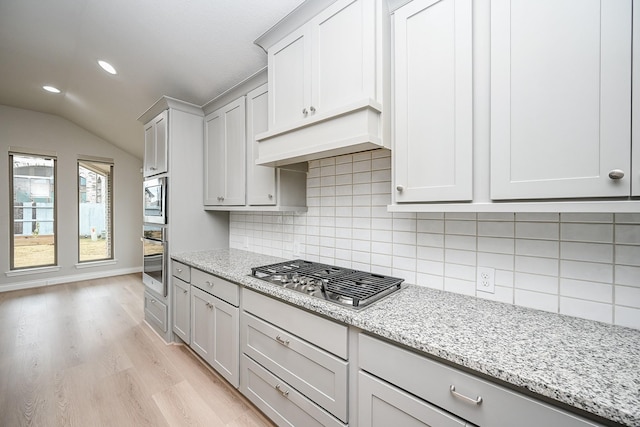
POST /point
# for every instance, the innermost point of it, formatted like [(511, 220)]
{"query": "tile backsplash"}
[(584, 265)]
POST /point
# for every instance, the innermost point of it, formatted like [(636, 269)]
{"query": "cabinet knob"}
[(184, 291), (209, 283), (616, 174), (305, 112), (312, 109), (179, 270), (400, 188), (270, 196), (153, 168)]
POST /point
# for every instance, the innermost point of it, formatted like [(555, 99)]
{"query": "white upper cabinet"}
[(326, 82), (326, 64), (233, 180), (289, 82), (155, 145), (224, 153), (261, 180), (433, 118), (560, 99)]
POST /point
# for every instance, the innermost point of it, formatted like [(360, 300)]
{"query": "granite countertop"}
[(588, 365)]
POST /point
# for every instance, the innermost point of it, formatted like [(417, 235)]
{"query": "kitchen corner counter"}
[(588, 365)]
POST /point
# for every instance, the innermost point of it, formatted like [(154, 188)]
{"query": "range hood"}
[(353, 128)]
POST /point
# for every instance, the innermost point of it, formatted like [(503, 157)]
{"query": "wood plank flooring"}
[(79, 354)]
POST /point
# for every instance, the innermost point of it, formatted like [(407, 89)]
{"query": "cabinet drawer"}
[(326, 334), (181, 271), (155, 311), (317, 374), (216, 286), (279, 401), (383, 405), (432, 381)]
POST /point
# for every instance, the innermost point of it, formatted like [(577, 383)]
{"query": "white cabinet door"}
[(289, 68), (224, 154), (155, 145), (433, 101), (261, 180), (560, 98), (382, 405), (202, 327), (343, 55), (182, 309), (226, 330), (215, 333)]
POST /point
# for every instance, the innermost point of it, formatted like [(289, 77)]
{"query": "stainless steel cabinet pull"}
[(304, 112), (282, 341), (616, 174), (282, 392), (476, 401), (312, 109), (400, 188)]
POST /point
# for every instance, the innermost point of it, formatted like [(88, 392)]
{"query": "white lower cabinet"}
[(155, 311), (214, 330), (181, 309), (396, 381), (383, 405), (285, 371)]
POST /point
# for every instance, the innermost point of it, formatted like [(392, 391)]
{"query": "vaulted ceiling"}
[(191, 50)]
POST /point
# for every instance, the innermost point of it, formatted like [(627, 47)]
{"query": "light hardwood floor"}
[(80, 354)]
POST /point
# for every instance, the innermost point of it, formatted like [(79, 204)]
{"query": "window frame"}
[(83, 159), (18, 151)]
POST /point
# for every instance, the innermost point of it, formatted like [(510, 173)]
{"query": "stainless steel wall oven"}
[(155, 253)]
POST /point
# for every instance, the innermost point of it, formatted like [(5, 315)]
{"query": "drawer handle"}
[(285, 393), (209, 283), (476, 401), (153, 301), (281, 341), (179, 270)]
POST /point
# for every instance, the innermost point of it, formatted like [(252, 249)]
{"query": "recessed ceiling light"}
[(51, 89), (107, 67)]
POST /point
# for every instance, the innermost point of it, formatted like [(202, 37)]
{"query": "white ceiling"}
[(191, 50)]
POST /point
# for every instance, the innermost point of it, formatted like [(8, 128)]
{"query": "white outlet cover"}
[(485, 280)]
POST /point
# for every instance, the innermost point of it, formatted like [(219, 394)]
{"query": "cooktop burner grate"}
[(344, 286)]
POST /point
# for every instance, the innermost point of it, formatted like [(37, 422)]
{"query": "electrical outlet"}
[(485, 281)]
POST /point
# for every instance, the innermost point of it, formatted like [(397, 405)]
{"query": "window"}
[(95, 212), (32, 210)]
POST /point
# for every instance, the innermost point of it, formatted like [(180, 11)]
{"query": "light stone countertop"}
[(589, 365)]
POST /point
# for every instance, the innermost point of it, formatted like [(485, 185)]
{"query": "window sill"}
[(91, 264), (35, 270)]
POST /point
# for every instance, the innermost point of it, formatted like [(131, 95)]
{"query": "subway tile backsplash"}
[(579, 264)]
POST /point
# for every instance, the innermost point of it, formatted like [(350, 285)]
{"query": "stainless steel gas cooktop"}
[(347, 287)]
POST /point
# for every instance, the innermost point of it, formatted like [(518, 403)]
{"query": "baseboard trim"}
[(50, 281)]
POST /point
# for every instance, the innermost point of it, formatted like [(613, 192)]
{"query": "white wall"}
[(584, 265), (38, 131)]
